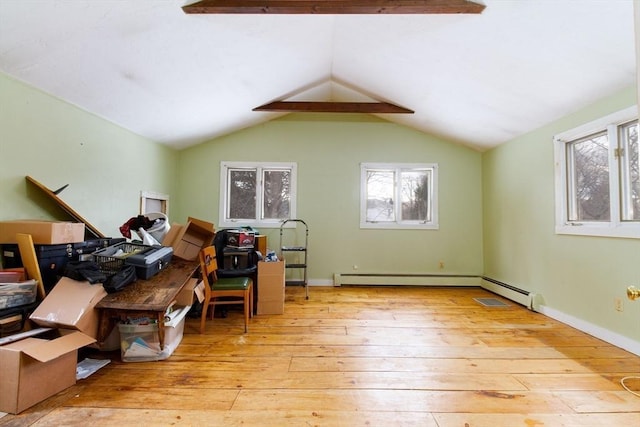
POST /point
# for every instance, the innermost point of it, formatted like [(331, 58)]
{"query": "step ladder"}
[(294, 251)]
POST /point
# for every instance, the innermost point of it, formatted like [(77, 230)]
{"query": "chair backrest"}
[(208, 263)]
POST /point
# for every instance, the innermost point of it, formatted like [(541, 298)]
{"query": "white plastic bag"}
[(147, 238)]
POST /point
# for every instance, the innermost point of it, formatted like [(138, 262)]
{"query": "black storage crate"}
[(112, 258), (148, 260)]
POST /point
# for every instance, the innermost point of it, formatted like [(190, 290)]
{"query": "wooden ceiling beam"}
[(334, 107), (335, 7)]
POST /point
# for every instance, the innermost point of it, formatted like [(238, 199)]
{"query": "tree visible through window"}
[(598, 177), (588, 160), (398, 195), (242, 194), (257, 193), (630, 171)]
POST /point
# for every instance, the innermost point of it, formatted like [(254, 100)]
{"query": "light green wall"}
[(576, 275), (328, 150), (56, 143)]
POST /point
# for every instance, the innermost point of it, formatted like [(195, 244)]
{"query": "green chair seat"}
[(231, 284)]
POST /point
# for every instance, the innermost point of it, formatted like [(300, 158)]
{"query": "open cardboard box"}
[(70, 305), (33, 369), (187, 240)]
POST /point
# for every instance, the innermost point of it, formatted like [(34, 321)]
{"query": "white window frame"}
[(259, 167), (400, 224), (615, 227)]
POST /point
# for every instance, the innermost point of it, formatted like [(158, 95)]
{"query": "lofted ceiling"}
[(180, 79)]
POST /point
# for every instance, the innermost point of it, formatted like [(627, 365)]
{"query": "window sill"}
[(395, 226), (617, 231)]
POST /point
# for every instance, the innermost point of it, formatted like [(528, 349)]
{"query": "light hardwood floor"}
[(364, 356)]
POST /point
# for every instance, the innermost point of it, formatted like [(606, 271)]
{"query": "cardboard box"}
[(42, 232), (189, 293), (271, 268), (270, 307), (34, 369), (70, 305), (187, 240), (271, 287)]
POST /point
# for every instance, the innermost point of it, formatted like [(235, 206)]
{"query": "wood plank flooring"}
[(364, 356)]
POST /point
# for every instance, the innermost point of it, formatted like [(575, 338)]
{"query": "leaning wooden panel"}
[(30, 260)]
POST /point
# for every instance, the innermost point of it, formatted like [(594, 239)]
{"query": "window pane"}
[(630, 172), (415, 196), (276, 196), (589, 179), (242, 194), (380, 195)]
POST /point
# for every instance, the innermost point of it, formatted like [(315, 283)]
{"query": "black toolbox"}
[(52, 259), (151, 262)]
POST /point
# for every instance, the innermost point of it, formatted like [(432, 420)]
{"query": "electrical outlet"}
[(618, 304)]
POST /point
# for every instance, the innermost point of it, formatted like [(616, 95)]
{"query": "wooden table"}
[(145, 298)]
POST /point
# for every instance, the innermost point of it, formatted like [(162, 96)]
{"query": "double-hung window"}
[(257, 193), (399, 195), (598, 177)]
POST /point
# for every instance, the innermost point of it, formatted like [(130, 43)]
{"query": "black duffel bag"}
[(120, 280), (84, 270)]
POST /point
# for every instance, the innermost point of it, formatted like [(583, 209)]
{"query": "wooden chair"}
[(223, 291)]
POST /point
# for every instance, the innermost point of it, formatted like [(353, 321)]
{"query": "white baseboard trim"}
[(374, 279), (591, 329), (320, 282)]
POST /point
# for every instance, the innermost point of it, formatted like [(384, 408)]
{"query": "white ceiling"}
[(181, 79)]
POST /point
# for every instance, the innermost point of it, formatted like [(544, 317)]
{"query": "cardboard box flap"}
[(45, 351), (172, 234), (178, 229), (202, 224), (70, 304), (188, 240), (200, 228)]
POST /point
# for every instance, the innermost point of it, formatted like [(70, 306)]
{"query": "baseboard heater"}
[(397, 279), (520, 296), (513, 293)]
